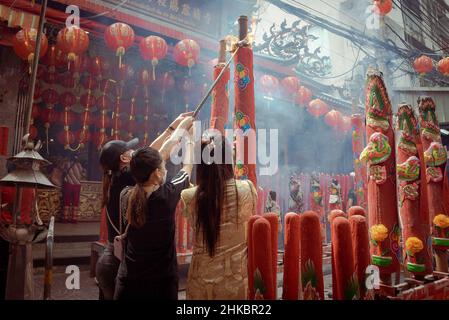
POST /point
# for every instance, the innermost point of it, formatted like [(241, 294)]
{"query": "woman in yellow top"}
[(218, 208)]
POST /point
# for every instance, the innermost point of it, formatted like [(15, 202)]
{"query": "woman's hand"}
[(179, 119)]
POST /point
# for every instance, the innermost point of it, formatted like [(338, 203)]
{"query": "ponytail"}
[(137, 204)]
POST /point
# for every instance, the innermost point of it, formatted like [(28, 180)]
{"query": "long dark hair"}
[(211, 181), (143, 163)]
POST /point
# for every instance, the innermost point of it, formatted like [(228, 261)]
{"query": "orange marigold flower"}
[(414, 245), (379, 232), (441, 221)]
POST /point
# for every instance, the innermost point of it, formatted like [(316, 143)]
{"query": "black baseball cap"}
[(112, 150)]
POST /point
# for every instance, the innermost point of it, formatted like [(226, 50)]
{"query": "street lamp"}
[(21, 233)]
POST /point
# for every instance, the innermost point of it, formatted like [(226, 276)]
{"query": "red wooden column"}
[(245, 110), (379, 155)]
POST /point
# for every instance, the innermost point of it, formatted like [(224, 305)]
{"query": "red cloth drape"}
[(4, 134), (245, 115)]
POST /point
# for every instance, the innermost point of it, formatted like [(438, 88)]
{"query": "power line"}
[(420, 26)]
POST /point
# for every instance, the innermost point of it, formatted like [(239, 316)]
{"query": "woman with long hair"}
[(149, 268), (115, 157), (219, 208)]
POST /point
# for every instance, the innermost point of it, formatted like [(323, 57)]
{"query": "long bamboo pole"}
[(34, 66)]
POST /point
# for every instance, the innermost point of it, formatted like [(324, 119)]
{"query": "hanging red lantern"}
[(269, 84), (67, 99), (54, 58), (87, 100), (89, 82), (24, 44), (119, 37), (333, 118), (345, 124), (99, 138), (35, 111), (443, 66), (49, 116), (423, 65), (50, 77), (66, 138), (103, 122), (104, 103), (73, 41), (303, 96), (186, 53), (290, 85), (50, 97), (317, 108), (153, 49), (33, 132), (95, 66), (82, 136), (125, 72), (383, 7), (144, 77), (68, 117)]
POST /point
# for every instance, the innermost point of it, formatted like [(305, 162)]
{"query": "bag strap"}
[(110, 221), (123, 235)]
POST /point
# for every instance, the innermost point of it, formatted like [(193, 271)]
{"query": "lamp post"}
[(21, 233)]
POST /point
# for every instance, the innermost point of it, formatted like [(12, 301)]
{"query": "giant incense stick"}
[(379, 155), (415, 229), (435, 156)]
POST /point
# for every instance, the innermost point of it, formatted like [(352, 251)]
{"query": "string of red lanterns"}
[(153, 49), (119, 37)]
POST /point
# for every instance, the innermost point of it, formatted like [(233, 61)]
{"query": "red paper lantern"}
[(119, 37), (33, 132), (24, 44), (153, 49), (35, 111), (290, 85), (443, 66), (67, 99), (96, 66), (68, 118), (66, 137), (54, 58), (269, 84), (50, 77), (317, 108), (49, 116), (333, 118), (104, 103), (423, 65), (303, 96), (345, 124), (82, 136), (89, 82), (87, 100), (383, 7), (125, 72), (103, 122), (73, 41), (50, 97), (99, 138), (186, 53), (144, 77), (167, 83)]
